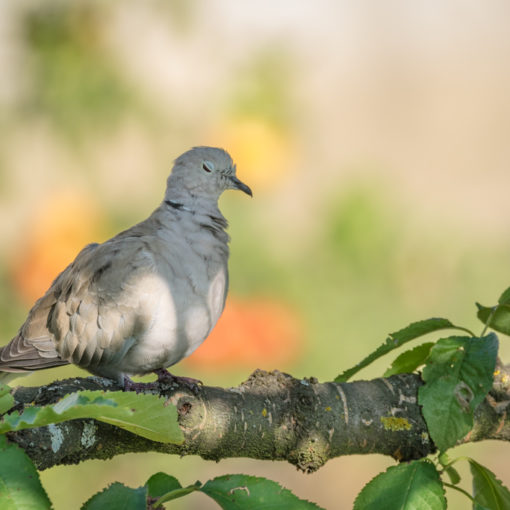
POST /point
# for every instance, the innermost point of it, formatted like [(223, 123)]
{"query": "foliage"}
[(457, 374), (414, 486), (488, 491), (146, 415), (19, 482), (397, 339), (231, 492)]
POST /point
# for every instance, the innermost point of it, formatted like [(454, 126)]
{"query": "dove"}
[(146, 298)]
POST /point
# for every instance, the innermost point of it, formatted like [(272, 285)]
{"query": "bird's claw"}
[(138, 387), (164, 376)]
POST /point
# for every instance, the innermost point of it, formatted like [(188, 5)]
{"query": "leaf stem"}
[(455, 460), (177, 493), (467, 330), (451, 486), (489, 320)]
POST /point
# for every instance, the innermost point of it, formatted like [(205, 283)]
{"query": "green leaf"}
[(444, 459), (146, 415), (488, 491), (453, 474), (161, 483), (447, 463), (118, 497), (20, 486), (163, 488), (243, 492), (505, 297), (395, 340), (496, 317), (458, 375), (409, 361), (6, 399), (412, 486)]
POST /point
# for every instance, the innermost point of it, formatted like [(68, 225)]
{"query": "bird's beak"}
[(235, 183)]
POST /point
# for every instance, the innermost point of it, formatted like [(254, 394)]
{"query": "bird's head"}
[(204, 172)]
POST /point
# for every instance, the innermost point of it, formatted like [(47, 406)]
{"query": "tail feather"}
[(22, 356)]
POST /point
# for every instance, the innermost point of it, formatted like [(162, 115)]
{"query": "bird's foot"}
[(138, 387), (164, 376)]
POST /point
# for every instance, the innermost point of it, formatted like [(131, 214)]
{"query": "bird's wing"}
[(89, 314), (33, 348)]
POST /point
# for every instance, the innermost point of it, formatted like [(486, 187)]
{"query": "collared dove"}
[(147, 298)]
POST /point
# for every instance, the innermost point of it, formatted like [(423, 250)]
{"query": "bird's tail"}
[(20, 357)]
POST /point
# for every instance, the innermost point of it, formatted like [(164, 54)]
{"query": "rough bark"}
[(270, 416)]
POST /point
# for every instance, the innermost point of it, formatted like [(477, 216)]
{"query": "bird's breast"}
[(178, 316)]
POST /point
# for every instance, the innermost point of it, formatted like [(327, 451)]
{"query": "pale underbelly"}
[(177, 328)]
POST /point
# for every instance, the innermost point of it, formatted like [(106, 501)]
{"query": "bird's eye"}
[(207, 166)]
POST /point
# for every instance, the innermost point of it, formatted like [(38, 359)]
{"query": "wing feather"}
[(89, 314)]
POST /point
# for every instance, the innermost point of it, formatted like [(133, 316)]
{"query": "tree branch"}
[(270, 416)]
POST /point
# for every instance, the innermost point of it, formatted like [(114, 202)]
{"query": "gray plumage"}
[(149, 296)]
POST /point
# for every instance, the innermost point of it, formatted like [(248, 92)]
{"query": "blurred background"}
[(375, 137)]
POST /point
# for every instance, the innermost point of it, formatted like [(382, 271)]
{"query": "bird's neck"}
[(178, 206), (204, 213), (191, 202), (203, 208)]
